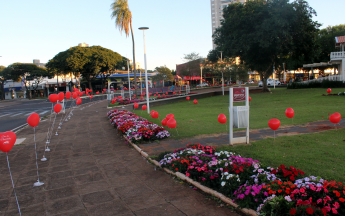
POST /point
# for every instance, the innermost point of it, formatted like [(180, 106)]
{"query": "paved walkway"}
[(92, 171)]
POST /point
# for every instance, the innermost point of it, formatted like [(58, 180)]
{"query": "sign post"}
[(238, 95)]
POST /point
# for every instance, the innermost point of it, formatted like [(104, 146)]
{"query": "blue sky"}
[(39, 29)]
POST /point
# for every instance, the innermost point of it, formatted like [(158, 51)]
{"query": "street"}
[(14, 113)]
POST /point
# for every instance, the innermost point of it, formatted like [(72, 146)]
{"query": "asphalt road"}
[(14, 113)]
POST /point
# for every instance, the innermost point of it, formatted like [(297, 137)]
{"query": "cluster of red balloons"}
[(154, 114), (169, 121)]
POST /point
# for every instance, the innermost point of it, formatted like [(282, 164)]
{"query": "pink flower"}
[(336, 205), (319, 201), (334, 211), (302, 190)]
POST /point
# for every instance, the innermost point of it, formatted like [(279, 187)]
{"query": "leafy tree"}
[(326, 41), (22, 71), (90, 62), (191, 57), (123, 20), (163, 73), (2, 82), (266, 33)]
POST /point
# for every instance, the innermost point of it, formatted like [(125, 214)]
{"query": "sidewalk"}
[(92, 171)]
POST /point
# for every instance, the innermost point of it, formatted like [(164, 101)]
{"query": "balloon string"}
[(177, 132), (274, 136), (38, 177), (51, 111), (15, 194)]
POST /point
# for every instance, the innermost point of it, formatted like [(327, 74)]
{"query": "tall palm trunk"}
[(135, 71)]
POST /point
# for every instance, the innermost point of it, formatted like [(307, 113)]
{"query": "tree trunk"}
[(90, 86), (134, 66)]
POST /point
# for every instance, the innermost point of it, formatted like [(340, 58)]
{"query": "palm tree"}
[(123, 21)]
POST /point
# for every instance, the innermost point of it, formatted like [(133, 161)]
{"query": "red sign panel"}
[(239, 94)]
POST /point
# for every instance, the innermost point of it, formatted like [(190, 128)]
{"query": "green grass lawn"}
[(319, 154), (309, 106)]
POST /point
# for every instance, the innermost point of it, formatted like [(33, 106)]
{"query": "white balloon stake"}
[(9, 169), (38, 183)]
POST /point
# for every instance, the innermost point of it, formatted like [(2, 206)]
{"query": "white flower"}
[(288, 198), (238, 180), (226, 173), (223, 183)]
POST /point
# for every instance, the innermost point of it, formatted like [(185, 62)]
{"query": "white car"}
[(202, 85), (270, 82)]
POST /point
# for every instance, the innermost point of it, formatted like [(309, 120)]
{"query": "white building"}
[(217, 7)]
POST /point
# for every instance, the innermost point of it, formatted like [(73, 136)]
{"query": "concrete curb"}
[(191, 181)]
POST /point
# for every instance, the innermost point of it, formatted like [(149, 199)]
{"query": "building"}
[(83, 45), (38, 63), (217, 7)]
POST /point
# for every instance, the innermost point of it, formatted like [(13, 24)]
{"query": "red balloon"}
[(289, 112), (250, 98), (222, 118), (91, 96), (104, 89), (144, 107), (329, 91), (169, 116), (155, 114), (97, 92), (188, 98), (152, 112), (80, 94), (61, 96), (121, 100), (171, 123), (274, 124), (195, 101), (164, 122), (68, 95), (173, 92), (141, 98), (136, 105), (7, 141), (57, 108), (75, 95), (83, 92), (335, 118), (53, 98), (33, 119), (78, 101), (120, 96), (179, 92)]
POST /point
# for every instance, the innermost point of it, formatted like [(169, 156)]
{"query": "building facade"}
[(217, 7)]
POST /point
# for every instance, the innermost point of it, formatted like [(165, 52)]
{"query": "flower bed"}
[(136, 128), (269, 191)]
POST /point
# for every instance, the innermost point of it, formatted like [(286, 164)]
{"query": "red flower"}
[(309, 210), (292, 211)]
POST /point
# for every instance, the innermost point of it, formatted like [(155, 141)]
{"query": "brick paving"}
[(92, 171)]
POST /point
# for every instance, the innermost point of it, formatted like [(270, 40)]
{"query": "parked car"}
[(270, 82), (250, 82), (202, 85)]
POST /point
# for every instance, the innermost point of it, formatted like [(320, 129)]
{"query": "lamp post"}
[(146, 82), (221, 62), (163, 79), (141, 85), (129, 81)]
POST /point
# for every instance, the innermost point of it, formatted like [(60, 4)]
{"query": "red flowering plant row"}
[(136, 128), (269, 191)]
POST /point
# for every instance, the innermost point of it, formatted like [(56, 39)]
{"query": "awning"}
[(321, 64), (339, 40), (191, 77)]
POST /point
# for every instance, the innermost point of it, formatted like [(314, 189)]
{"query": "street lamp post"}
[(146, 81), (221, 62), (129, 81)]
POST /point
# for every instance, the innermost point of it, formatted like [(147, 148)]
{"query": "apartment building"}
[(217, 7)]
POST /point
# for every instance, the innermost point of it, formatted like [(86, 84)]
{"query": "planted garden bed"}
[(137, 129), (269, 191)]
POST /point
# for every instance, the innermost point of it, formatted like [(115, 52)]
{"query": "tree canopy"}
[(266, 33), (326, 41), (163, 71), (88, 61)]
